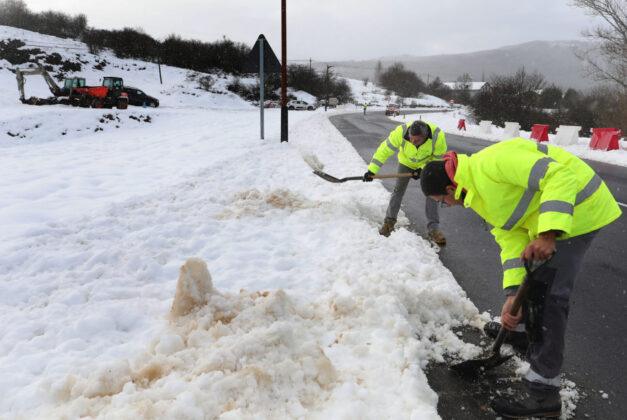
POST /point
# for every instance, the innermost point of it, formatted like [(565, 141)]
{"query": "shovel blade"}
[(331, 178), (473, 368), (326, 176)]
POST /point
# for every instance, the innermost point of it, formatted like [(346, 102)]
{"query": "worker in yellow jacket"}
[(542, 202), (417, 143)]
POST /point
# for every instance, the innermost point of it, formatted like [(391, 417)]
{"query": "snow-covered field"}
[(304, 311)]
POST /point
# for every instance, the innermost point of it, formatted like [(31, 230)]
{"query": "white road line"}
[(621, 204)]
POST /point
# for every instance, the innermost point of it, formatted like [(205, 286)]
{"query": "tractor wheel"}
[(97, 103), (122, 104), (83, 102)]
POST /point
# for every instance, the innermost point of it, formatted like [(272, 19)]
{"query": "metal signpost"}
[(261, 59)]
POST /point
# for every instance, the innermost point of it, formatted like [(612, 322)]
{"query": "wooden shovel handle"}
[(407, 175), (521, 294)]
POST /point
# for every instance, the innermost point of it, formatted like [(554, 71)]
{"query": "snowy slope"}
[(305, 311), (372, 94)]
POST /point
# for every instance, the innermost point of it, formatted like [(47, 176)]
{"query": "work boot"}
[(549, 405), (517, 339), (388, 227), (437, 237)]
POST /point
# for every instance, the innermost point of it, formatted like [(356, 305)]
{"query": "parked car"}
[(295, 104), (333, 102), (139, 98), (391, 109)]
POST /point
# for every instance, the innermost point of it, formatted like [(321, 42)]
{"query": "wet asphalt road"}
[(596, 339)]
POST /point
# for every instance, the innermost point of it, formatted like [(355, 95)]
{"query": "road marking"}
[(621, 204)]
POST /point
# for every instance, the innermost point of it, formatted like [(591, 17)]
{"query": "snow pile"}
[(261, 354), (193, 288)]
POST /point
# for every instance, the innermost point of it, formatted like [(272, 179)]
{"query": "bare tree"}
[(607, 60)]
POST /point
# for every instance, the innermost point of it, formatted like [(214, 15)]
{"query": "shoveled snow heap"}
[(261, 354)]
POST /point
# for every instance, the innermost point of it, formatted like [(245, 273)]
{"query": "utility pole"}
[(283, 74), (159, 64), (326, 88), (261, 83)]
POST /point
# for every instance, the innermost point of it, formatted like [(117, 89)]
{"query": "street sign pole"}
[(261, 101), (263, 60)]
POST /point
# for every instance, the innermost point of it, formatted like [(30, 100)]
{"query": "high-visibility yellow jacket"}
[(408, 154), (524, 188)]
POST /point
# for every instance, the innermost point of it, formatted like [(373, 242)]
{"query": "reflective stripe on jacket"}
[(524, 188), (408, 154)]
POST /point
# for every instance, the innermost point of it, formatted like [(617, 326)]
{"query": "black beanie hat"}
[(433, 179)]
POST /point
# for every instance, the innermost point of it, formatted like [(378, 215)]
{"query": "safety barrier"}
[(461, 125), (485, 127), (540, 132), (605, 138), (512, 129), (567, 135)]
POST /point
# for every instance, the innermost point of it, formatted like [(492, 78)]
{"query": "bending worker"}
[(417, 143), (540, 200)]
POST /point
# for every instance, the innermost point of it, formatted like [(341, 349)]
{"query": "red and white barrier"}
[(512, 129), (485, 127), (540, 132), (566, 135), (605, 139)]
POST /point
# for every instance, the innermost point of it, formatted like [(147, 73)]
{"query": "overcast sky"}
[(330, 30)]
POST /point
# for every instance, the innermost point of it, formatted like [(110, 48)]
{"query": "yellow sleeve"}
[(512, 243), (386, 149)]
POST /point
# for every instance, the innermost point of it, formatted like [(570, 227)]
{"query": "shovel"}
[(472, 368), (331, 178)]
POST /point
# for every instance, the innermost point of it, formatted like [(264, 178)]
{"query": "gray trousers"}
[(546, 357), (431, 206)]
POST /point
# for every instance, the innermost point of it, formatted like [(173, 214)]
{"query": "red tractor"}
[(108, 95), (74, 91)]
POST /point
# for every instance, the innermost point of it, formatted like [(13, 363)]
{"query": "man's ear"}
[(450, 189)]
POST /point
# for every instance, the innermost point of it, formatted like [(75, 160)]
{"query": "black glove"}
[(368, 177), (416, 173)]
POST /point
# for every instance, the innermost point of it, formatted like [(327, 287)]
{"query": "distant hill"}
[(555, 60)]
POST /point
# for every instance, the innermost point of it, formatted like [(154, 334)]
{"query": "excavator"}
[(75, 92), (33, 100)]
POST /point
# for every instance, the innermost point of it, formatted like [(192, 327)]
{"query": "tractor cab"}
[(113, 83), (72, 83)]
